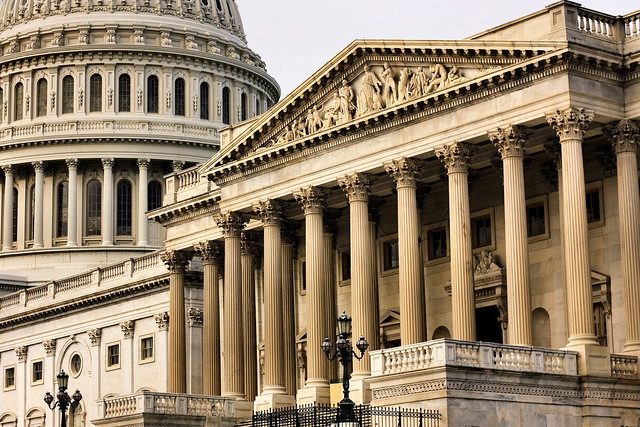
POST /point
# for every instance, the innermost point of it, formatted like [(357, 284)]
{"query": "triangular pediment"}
[(370, 81)]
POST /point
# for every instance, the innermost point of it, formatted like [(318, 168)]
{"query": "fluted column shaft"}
[(511, 145), (412, 308), (212, 254), (570, 125), (176, 262), (288, 319), (232, 224), (143, 177), (7, 214), (107, 203), (625, 136), (455, 158), (72, 203), (249, 317), (365, 320), (38, 215)]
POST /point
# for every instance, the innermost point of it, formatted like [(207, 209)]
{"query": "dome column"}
[(143, 173), (72, 203), (107, 203), (7, 214), (38, 219)]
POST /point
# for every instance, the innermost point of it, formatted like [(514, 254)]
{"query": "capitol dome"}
[(100, 100)]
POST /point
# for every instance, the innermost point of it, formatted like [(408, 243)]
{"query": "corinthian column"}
[(455, 158), (72, 203), (312, 200), (249, 248), (363, 292), (38, 219), (625, 137), (7, 214), (511, 143), (143, 229), (176, 262), (289, 241), (570, 125), (412, 310), (212, 254), (232, 224), (107, 203)]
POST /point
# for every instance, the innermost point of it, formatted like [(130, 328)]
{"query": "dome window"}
[(205, 2), (95, 93), (124, 93), (226, 106), (67, 94), (179, 95), (243, 107), (94, 208), (41, 106), (62, 209), (18, 102), (123, 212), (152, 94), (204, 101), (219, 5)]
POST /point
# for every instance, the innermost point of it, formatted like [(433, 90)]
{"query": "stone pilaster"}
[(625, 136), (363, 293), (143, 178), (7, 205), (312, 200), (405, 171), (455, 158), (212, 254), (107, 203), (289, 242), (249, 249), (177, 262), (511, 142), (72, 203), (38, 215), (232, 224)]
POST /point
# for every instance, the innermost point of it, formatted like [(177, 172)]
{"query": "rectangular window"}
[(36, 372), (391, 254), (481, 231), (10, 378), (593, 205), (303, 276), (345, 266), (536, 222), (113, 355), (146, 348), (437, 243)]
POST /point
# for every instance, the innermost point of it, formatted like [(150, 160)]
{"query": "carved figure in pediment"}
[(389, 90), (403, 84), (212, 47), (84, 37), (299, 128), (331, 115), (290, 134), (347, 107), (485, 263), (310, 122), (454, 77), (166, 39), (317, 116), (190, 43), (231, 53), (438, 78), (58, 39), (13, 47), (369, 97), (418, 83)]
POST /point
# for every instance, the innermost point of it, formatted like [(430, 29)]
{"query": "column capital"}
[(211, 252), (624, 135), (357, 186), (554, 151), (249, 243), (39, 165), (8, 169), (312, 199), (270, 211), (404, 171), (72, 163), (455, 156), (107, 163), (570, 123), (143, 163), (176, 261), (511, 140), (231, 223)]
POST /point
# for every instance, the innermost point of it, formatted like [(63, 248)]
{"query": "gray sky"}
[(297, 37)]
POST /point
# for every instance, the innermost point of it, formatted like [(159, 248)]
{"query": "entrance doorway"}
[(488, 325)]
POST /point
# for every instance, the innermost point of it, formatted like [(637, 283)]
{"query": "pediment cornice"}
[(186, 210)]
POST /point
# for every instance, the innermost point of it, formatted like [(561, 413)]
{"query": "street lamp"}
[(64, 400), (345, 352)]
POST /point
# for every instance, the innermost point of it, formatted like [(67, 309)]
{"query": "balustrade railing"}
[(146, 402), (188, 178), (631, 25), (623, 366), (596, 23)]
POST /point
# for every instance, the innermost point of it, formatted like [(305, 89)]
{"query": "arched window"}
[(243, 107), (94, 208), (154, 195), (229, 9), (179, 97), (15, 214), (41, 105), (62, 209), (124, 93), (17, 102), (226, 107), (257, 106), (67, 94), (152, 94), (123, 208), (1, 104), (95, 93), (204, 101), (32, 211), (219, 5)]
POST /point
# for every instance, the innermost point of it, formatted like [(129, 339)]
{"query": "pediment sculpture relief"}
[(378, 88)]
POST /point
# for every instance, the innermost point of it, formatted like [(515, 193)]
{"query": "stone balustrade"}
[(449, 352), (623, 366), (146, 402), (596, 23), (631, 25)]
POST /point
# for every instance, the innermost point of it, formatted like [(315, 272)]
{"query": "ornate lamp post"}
[(345, 352), (64, 400)]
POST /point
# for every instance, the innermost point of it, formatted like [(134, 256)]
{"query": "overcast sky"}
[(297, 37)]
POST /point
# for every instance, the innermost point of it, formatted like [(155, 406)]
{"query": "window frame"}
[(179, 101), (591, 188), (244, 107), (68, 94), (41, 95), (142, 358), (475, 216), (72, 371), (532, 203), (124, 208), (150, 194), (301, 263), (383, 244), (12, 386), (87, 208), (153, 94), (124, 93), (341, 255), (205, 89), (428, 233), (95, 93), (40, 380), (226, 105), (112, 366), (18, 101), (62, 210)]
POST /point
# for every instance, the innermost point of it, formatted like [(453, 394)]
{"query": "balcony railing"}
[(623, 366)]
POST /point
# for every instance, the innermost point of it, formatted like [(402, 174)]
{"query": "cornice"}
[(186, 210)]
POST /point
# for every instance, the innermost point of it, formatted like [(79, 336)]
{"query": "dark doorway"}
[(488, 326)]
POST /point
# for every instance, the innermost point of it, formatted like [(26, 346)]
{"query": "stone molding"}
[(107, 163), (312, 199), (95, 336), (231, 223), (162, 320), (455, 156), (72, 163), (511, 140), (270, 211), (49, 347), (211, 252), (195, 317), (143, 163), (21, 353), (624, 135), (39, 165), (570, 123), (8, 169), (404, 171), (357, 186), (128, 328), (176, 261)]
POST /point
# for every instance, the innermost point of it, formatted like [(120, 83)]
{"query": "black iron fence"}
[(367, 416)]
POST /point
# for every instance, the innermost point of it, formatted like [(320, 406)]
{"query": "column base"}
[(593, 360), (314, 393), (244, 409), (359, 389), (265, 402), (632, 348)]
